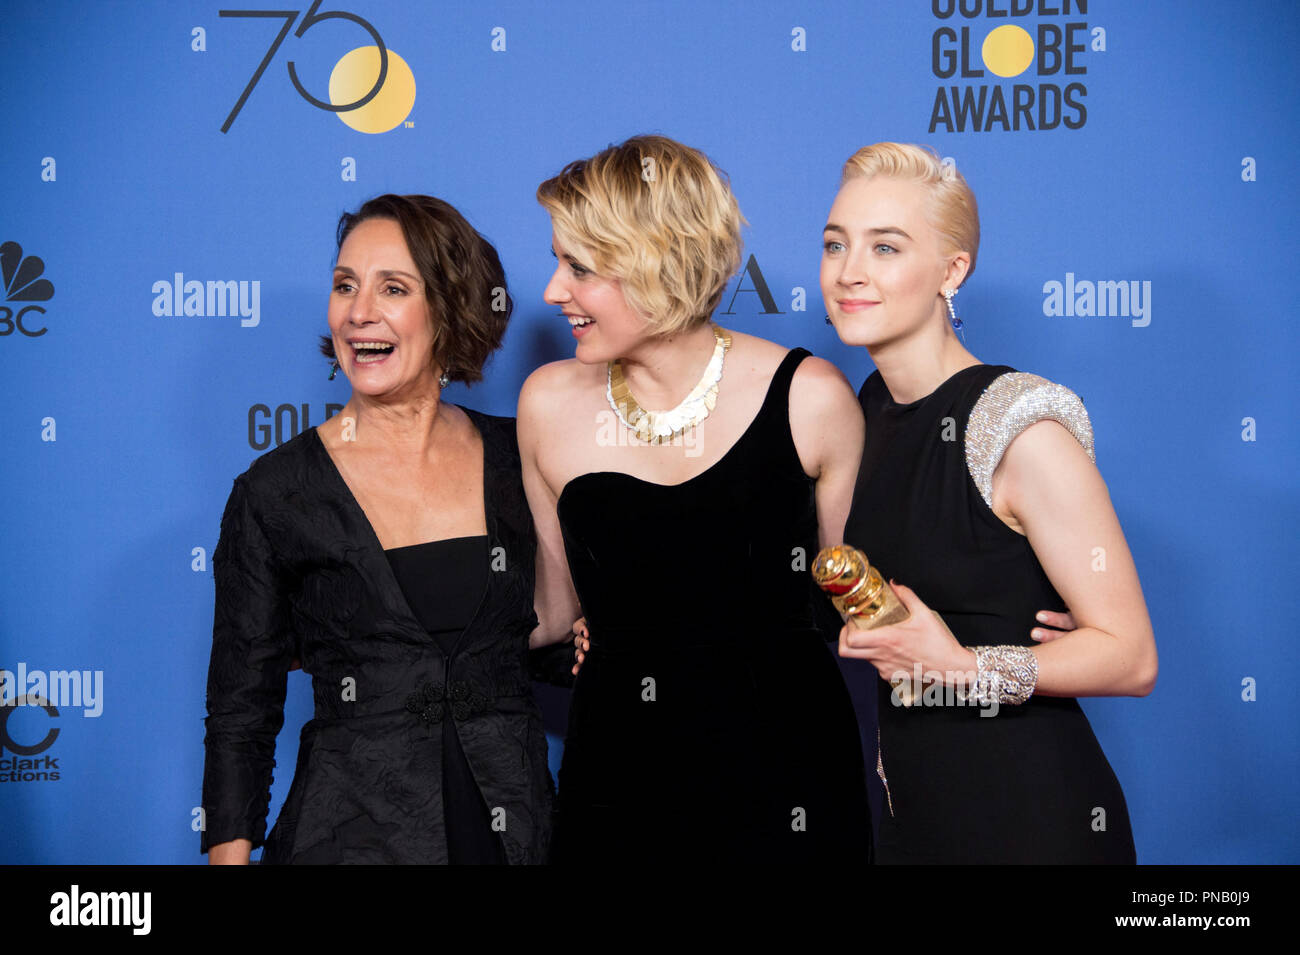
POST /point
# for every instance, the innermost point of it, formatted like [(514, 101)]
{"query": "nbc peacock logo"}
[(22, 283)]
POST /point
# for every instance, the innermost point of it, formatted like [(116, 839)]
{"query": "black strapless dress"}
[(710, 720), (443, 582), (1029, 784)]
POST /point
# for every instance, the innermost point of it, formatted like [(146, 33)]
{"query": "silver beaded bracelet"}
[(1005, 674)]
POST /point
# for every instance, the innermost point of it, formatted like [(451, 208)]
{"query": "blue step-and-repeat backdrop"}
[(173, 175)]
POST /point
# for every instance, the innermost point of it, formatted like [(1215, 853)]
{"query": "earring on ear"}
[(957, 323), (334, 370), (443, 380), (828, 320)]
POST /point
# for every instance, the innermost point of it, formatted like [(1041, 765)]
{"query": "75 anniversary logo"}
[(371, 88)]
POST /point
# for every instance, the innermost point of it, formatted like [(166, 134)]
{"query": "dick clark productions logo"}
[(371, 88)]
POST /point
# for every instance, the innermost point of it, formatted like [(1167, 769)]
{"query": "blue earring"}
[(334, 371), (957, 323)]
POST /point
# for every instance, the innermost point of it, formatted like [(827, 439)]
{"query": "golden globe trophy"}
[(860, 593), (856, 588)]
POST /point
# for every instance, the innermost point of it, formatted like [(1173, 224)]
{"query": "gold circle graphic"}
[(352, 78), (1007, 51)]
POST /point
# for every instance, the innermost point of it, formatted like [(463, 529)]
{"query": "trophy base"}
[(892, 612)]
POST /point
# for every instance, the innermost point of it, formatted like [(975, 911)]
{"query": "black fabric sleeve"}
[(252, 648), (828, 619), (553, 663)]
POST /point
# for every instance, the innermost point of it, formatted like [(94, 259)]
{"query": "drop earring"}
[(334, 370), (828, 320), (443, 380), (957, 323)]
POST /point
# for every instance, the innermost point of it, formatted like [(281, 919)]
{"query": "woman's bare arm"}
[(827, 424), (555, 600), (1049, 486), (235, 852)]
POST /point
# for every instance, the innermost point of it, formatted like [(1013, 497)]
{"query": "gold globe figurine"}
[(864, 597), (856, 588)]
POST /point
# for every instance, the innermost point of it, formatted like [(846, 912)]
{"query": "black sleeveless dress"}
[(443, 582), (1030, 784), (709, 721)]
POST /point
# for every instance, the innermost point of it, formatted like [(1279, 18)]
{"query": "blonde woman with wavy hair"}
[(681, 477), (979, 492)]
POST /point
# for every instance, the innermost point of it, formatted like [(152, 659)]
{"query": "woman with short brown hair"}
[(390, 550)]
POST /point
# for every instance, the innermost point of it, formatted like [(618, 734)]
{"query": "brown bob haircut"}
[(464, 282)]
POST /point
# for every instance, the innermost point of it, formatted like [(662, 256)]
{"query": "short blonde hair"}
[(952, 212), (659, 217)]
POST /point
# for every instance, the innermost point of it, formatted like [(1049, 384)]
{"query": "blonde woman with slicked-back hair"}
[(681, 477), (978, 492)]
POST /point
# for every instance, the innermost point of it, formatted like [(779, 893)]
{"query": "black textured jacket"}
[(300, 573)]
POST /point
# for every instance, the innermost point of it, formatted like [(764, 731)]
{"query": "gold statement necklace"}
[(658, 427)]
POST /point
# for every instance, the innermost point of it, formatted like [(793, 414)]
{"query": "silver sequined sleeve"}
[(1008, 406)]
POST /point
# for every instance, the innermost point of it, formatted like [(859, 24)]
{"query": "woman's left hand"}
[(922, 639), (581, 641), (1062, 622)]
